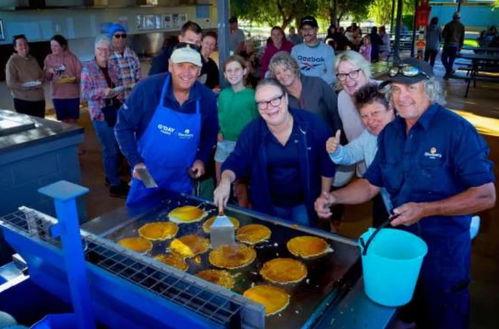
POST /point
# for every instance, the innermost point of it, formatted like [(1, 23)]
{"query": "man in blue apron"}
[(436, 170), (169, 125)]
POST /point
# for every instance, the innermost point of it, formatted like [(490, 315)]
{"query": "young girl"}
[(236, 108), (365, 49)]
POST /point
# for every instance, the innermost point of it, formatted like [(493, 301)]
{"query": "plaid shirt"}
[(92, 85), (128, 66)]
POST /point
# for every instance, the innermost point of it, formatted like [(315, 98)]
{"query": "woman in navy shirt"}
[(282, 155)]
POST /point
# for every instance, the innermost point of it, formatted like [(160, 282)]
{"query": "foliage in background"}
[(381, 11)]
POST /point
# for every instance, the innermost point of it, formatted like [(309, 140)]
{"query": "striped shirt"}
[(128, 67)]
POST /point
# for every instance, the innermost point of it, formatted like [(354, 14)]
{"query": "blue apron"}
[(168, 147)]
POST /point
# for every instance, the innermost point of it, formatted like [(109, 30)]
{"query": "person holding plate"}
[(24, 77), (63, 69)]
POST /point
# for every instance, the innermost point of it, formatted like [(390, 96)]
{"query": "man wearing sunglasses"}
[(436, 170), (124, 59), (168, 125)]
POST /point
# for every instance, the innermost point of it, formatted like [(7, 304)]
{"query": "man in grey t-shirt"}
[(314, 57), (236, 37)]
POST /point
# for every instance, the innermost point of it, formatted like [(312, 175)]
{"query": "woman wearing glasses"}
[(283, 157)]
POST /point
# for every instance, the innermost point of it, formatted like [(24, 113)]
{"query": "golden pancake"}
[(220, 277), (190, 245), (158, 231), (136, 244), (186, 214), (231, 257), (253, 233), (173, 260), (273, 298), (207, 224), (307, 246), (283, 270)]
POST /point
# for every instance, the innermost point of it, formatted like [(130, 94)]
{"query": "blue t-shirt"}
[(284, 171), (441, 155)]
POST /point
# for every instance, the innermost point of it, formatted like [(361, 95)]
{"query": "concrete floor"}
[(482, 101)]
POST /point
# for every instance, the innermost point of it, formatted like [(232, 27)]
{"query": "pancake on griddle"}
[(253, 233), (173, 260), (283, 270), (137, 244), (220, 277), (231, 257), (190, 245), (273, 298), (186, 214), (158, 231), (307, 246), (207, 224)]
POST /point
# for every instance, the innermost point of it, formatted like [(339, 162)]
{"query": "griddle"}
[(328, 277)]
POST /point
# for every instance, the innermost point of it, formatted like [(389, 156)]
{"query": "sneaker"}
[(118, 191)]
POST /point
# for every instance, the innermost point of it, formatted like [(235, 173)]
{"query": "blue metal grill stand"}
[(64, 194)]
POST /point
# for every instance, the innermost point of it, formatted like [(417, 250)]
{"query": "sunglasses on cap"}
[(406, 70), (119, 36), (187, 45)]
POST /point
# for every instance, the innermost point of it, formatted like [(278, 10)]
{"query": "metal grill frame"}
[(204, 298)]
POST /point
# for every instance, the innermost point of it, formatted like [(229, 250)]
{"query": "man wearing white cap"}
[(169, 125)]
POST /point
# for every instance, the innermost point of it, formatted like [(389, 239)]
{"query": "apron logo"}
[(165, 129), (433, 153), (186, 134)]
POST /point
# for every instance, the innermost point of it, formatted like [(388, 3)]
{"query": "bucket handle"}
[(364, 244)]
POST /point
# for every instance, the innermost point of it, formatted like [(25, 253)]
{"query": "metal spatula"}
[(146, 178), (222, 231)]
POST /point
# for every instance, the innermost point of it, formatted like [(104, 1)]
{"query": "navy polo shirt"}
[(441, 155), (283, 162)]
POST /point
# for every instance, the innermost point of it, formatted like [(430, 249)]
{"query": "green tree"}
[(381, 11)]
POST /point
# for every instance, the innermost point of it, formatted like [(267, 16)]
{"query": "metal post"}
[(64, 194), (398, 28), (223, 35), (392, 16), (416, 3)]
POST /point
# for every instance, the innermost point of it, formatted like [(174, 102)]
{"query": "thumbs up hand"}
[(333, 142)]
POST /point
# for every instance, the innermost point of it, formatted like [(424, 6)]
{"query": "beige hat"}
[(186, 54)]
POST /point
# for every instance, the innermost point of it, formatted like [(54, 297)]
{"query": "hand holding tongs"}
[(365, 245)]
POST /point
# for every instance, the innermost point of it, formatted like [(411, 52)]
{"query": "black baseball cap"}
[(409, 71), (309, 20)]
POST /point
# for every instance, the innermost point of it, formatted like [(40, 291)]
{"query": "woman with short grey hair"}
[(309, 93)]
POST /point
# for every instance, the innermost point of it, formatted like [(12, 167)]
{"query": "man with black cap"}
[(314, 58), (124, 59), (436, 170), (169, 126)]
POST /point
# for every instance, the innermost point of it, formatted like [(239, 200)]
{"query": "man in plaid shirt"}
[(123, 59)]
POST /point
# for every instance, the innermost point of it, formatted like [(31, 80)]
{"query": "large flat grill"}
[(329, 276), (191, 293)]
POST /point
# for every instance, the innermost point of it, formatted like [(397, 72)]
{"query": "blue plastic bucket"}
[(391, 265)]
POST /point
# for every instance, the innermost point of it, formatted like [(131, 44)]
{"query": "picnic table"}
[(484, 66)]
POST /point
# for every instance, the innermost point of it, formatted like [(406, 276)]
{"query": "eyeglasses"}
[(406, 70), (276, 101), (352, 74), (119, 36), (187, 45)]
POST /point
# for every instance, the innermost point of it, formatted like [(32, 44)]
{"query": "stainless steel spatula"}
[(222, 231)]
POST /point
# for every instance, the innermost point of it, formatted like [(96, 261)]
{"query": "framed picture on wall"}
[(2, 33)]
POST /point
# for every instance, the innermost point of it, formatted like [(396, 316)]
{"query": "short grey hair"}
[(355, 59), (101, 38), (283, 58), (432, 89)]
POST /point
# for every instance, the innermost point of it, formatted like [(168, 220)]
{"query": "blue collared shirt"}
[(440, 156)]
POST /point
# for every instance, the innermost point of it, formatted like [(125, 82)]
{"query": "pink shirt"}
[(72, 68)]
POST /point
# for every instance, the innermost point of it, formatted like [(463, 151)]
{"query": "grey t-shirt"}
[(235, 39)]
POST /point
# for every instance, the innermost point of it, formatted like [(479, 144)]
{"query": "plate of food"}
[(32, 84), (66, 80)]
